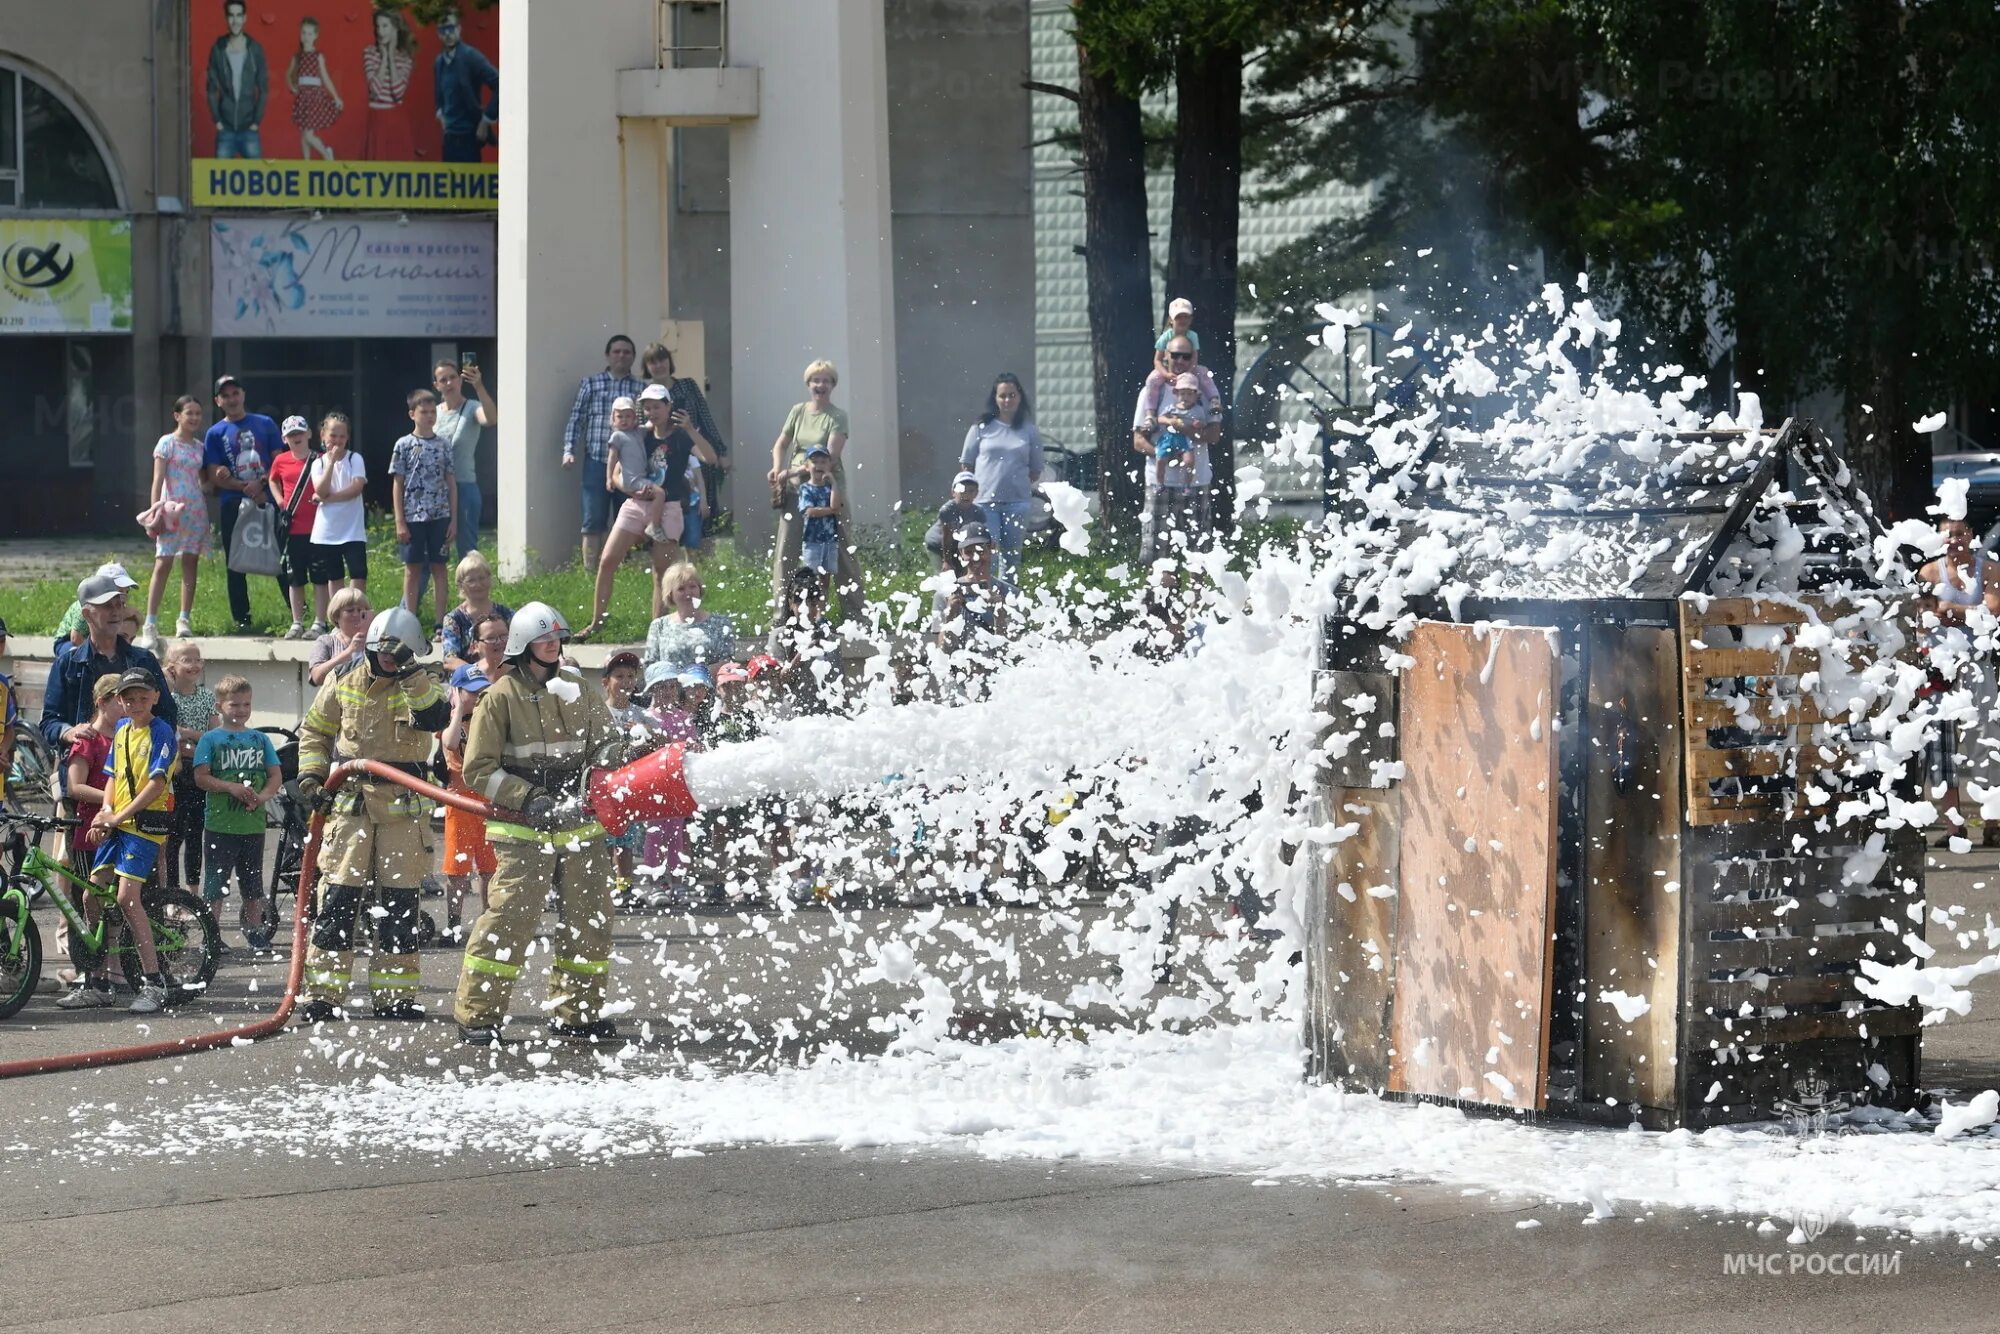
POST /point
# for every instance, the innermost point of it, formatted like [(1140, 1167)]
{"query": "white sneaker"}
[(149, 637), (316, 629), (152, 999), (297, 631), (83, 996), (184, 628)]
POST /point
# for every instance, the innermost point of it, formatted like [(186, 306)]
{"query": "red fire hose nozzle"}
[(652, 787)]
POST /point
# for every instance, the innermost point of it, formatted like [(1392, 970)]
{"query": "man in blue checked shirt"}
[(589, 430)]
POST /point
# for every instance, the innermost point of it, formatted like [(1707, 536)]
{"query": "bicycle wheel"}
[(20, 953), (188, 941), (285, 866)]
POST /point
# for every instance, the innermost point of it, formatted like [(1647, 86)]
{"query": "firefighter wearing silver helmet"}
[(373, 842), (527, 751)]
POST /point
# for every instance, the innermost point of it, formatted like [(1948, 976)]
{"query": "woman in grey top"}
[(1004, 451)]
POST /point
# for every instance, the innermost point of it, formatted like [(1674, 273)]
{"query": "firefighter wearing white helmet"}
[(389, 709), (527, 751)]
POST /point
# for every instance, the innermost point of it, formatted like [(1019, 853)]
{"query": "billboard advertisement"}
[(353, 278), (343, 104), (65, 275)]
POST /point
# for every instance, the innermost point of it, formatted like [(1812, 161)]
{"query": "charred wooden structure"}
[(1589, 865)]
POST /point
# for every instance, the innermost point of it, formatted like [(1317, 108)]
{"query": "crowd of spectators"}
[(647, 444)]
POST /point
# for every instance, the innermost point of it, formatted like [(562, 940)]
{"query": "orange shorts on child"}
[(467, 850)]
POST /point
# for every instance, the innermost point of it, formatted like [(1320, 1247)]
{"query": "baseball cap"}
[(623, 658), (295, 423), (97, 590), (759, 664), (819, 451), (1186, 380), (660, 673), (223, 382), (730, 673), (964, 479), (138, 678), (624, 403), (694, 674), (1180, 305), (974, 535), (655, 391), (470, 678), (111, 569)]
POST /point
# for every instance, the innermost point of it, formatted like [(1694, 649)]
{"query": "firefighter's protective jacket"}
[(525, 736), (359, 715)]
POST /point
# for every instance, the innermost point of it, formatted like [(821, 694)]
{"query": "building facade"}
[(757, 183), (143, 251)]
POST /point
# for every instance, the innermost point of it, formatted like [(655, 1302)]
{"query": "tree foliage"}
[(1808, 182)]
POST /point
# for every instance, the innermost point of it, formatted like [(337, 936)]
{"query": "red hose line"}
[(273, 1023)]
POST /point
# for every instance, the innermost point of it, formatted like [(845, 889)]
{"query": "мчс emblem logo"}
[(36, 267)]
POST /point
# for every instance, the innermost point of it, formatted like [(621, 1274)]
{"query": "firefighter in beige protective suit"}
[(388, 707), (528, 751)]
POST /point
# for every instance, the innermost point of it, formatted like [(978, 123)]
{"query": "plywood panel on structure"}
[(1361, 878), (1632, 902), (1477, 884)]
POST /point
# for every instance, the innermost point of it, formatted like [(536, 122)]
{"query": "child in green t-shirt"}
[(238, 767)]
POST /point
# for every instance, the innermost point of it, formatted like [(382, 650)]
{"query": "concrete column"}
[(564, 246), (809, 234)]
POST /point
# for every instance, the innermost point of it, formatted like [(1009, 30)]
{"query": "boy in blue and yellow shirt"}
[(136, 818)]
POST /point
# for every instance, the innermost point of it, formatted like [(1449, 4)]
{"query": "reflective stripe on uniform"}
[(492, 788), (323, 978), (588, 967), (492, 967), (501, 831), (392, 981)]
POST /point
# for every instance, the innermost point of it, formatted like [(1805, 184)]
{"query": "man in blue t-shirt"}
[(236, 457)]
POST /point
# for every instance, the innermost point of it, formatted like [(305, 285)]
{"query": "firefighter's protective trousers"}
[(373, 854), (526, 739)]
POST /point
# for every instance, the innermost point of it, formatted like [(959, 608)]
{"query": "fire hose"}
[(651, 787)]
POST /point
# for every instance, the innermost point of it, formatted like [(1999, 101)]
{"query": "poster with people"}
[(344, 104)]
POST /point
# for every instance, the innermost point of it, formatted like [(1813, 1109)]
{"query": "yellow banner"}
[(240, 183)]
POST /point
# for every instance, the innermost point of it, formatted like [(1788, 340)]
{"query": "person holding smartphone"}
[(460, 420), (658, 363)]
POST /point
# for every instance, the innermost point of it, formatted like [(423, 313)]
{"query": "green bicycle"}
[(184, 931)]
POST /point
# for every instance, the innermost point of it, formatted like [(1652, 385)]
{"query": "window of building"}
[(48, 156)]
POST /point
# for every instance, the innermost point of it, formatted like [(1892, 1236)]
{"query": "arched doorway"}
[(65, 302)]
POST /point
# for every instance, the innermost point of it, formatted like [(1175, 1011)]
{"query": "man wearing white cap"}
[(66, 700), (71, 629)]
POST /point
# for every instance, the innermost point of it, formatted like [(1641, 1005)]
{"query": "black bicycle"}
[(291, 816)]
